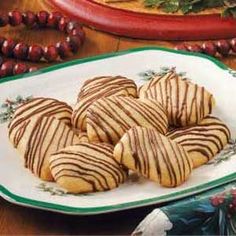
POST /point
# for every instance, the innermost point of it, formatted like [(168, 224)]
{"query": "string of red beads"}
[(214, 49), (36, 53)]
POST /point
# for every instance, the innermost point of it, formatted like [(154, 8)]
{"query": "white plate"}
[(63, 81)]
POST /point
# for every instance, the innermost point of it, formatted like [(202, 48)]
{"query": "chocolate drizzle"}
[(154, 156), (47, 136), (186, 103), (158, 78), (100, 87), (106, 84), (35, 108), (93, 163), (109, 118), (202, 141)]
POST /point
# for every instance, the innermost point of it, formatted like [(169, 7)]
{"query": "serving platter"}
[(128, 20), (63, 81)]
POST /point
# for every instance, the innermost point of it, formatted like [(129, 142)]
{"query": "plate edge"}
[(215, 61), (117, 207)]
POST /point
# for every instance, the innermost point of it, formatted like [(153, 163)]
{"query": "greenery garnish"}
[(9, 106), (150, 74), (188, 6), (56, 191)]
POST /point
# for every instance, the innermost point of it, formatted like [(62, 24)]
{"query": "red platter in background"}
[(148, 26)]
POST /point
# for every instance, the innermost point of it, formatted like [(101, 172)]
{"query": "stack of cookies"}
[(161, 131)]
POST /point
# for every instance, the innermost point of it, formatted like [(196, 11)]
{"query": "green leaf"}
[(171, 6), (153, 3), (188, 6), (230, 11)]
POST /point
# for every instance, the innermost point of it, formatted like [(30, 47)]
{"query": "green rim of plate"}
[(116, 207), (102, 209), (109, 55)]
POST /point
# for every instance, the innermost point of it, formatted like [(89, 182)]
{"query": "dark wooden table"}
[(20, 220)]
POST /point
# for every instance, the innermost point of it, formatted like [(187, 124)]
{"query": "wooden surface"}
[(19, 220)]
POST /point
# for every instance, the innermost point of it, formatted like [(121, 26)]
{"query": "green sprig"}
[(188, 6)]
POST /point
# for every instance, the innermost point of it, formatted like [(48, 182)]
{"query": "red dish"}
[(148, 26)]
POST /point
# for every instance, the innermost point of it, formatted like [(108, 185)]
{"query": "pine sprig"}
[(188, 6)]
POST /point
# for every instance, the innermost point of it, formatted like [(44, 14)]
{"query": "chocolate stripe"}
[(186, 103), (109, 118), (97, 88), (35, 108), (93, 162), (154, 156), (48, 135), (207, 138)]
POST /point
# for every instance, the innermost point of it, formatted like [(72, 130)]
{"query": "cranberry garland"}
[(221, 47), (35, 53)]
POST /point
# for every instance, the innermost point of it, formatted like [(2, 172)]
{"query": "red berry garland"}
[(35, 53), (221, 47)]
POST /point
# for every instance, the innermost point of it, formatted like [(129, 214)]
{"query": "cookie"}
[(96, 88), (36, 107), (87, 167), (44, 136), (203, 141), (155, 80), (83, 137), (154, 156), (186, 103), (106, 84), (109, 118)]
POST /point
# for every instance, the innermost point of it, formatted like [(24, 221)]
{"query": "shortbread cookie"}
[(43, 137), (83, 137), (109, 118), (155, 80), (106, 84), (36, 107), (96, 88), (186, 103), (203, 141), (87, 167), (154, 156)]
